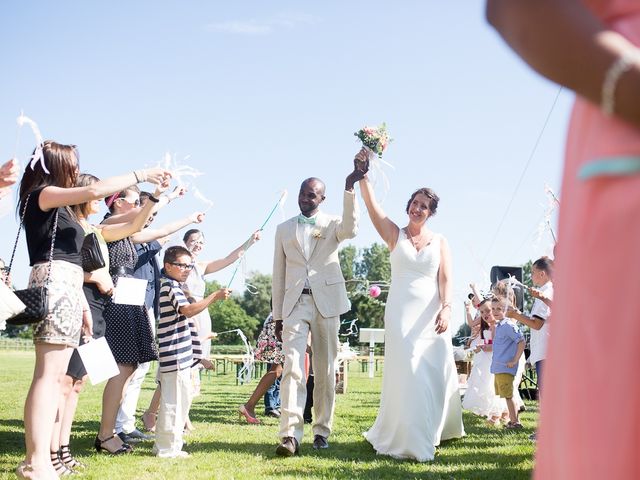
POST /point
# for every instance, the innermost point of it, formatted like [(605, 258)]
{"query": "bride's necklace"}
[(418, 242)]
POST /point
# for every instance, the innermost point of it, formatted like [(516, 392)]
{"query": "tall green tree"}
[(228, 315), (374, 264), (256, 300), (348, 260), (361, 269)]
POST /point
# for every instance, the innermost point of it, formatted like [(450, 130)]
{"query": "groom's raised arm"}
[(348, 227)]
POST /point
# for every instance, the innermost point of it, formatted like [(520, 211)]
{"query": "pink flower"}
[(375, 291)]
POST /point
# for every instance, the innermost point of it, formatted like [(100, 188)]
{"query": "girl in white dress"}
[(480, 397), (420, 402)]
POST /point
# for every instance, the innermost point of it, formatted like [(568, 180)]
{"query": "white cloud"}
[(263, 26)]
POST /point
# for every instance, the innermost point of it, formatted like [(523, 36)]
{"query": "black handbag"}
[(92, 258), (37, 302), (36, 299)]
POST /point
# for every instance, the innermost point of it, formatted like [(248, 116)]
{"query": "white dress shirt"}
[(540, 338), (304, 235)]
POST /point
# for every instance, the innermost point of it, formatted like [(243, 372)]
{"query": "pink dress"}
[(590, 413)]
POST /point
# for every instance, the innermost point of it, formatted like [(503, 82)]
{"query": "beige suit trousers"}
[(303, 319)]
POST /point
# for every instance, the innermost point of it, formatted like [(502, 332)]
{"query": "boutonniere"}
[(317, 233)]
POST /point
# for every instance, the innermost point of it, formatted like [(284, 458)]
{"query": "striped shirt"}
[(178, 341)]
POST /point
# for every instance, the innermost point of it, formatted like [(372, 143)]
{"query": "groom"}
[(308, 296)]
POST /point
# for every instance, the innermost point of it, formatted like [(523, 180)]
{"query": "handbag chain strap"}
[(53, 238)]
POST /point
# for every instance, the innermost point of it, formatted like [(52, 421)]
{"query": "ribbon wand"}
[(283, 198), (279, 203), (235, 270)]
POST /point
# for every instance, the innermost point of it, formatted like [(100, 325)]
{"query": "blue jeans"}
[(539, 368), (272, 396)]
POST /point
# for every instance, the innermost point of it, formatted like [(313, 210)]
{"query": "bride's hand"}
[(442, 321)]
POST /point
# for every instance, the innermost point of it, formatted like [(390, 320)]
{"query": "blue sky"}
[(261, 95)]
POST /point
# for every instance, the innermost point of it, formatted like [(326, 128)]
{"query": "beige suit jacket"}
[(291, 268)]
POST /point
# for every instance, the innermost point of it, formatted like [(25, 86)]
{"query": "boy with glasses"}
[(179, 350)]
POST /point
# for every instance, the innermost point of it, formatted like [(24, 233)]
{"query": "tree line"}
[(361, 267)]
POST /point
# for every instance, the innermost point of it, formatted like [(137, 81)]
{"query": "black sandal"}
[(124, 448), (60, 468), (65, 455)]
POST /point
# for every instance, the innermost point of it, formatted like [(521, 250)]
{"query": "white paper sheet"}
[(10, 305), (98, 360), (130, 291)]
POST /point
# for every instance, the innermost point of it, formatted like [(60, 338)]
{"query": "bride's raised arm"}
[(384, 226)]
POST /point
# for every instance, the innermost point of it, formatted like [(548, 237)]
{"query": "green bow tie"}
[(309, 221)]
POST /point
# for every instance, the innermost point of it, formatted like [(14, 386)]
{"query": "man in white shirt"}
[(309, 295), (541, 274)]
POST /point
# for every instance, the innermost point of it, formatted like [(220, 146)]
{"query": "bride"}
[(420, 401)]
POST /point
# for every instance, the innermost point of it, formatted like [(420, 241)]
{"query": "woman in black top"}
[(98, 288), (48, 187)]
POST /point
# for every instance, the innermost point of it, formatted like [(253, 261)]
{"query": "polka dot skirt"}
[(128, 331)]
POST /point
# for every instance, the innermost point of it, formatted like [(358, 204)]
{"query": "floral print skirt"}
[(269, 348)]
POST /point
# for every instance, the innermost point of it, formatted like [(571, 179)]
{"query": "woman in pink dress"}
[(589, 416)]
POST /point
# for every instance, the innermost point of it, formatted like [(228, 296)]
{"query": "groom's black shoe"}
[(288, 447), (320, 442)]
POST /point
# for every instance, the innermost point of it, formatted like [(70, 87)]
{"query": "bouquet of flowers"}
[(375, 139), (469, 354)]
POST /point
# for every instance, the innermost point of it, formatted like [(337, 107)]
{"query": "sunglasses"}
[(183, 266), (135, 203)]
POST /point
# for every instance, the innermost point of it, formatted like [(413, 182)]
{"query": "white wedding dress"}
[(420, 401)]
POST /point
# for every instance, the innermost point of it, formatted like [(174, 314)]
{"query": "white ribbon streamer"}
[(246, 372), (38, 154), (376, 168)]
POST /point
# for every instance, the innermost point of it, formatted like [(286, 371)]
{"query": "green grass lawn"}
[(223, 447)]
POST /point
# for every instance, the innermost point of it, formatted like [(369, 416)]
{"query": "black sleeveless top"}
[(38, 226)]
